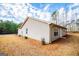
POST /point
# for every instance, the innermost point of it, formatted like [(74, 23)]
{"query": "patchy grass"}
[(17, 46)]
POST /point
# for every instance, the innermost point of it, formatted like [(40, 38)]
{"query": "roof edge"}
[(47, 22)]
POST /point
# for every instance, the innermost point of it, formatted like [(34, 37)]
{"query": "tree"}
[(8, 27), (54, 16)]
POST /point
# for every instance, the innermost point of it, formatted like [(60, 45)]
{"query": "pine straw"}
[(17, 46)]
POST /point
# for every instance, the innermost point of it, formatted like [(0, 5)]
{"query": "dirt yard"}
[(13, 45)]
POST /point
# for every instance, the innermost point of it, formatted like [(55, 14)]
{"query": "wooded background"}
[(8, 27)]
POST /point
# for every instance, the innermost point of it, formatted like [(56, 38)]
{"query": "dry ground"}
[(15, 45)]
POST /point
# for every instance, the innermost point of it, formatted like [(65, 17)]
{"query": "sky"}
[(17, 12), (51, 6)]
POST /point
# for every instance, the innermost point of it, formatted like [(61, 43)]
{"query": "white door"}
[(61, 32)]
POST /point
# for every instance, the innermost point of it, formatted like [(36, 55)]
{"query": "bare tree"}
[(54, 16)]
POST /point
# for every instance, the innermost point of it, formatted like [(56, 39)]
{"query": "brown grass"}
[(15, 45)]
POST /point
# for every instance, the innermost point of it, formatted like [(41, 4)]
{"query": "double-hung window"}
[(26, 30), (55, 33)]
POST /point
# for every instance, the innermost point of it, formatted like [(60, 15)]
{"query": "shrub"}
[(26, 37), (43, 41), (19, 35)]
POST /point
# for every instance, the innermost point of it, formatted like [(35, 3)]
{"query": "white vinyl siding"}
[(37, 30)]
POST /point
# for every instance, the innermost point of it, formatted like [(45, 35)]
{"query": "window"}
[(26, 30), (55, 33)]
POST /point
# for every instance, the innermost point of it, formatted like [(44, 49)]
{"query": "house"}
[(41, 30)]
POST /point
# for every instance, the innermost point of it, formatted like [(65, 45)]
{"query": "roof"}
[(23, 23), (58, 26), (47, 22)]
